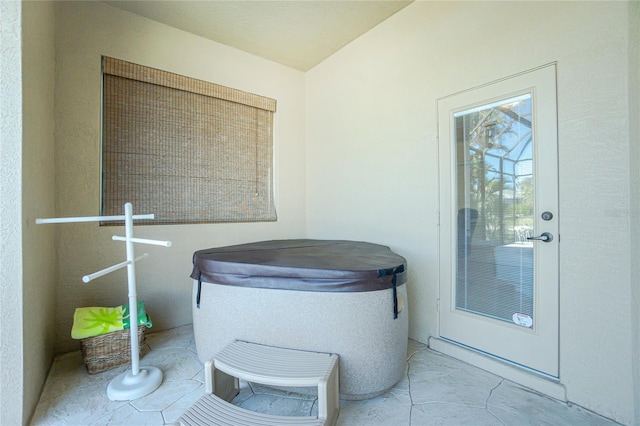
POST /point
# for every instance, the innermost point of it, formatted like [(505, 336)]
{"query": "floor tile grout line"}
[(315, 401), (496, 416), (409, 379), (409, 385), (486, 403)]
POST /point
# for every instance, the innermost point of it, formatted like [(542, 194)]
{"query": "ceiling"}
[(299, 34)]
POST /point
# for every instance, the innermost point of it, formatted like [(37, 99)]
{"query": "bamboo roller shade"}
[(185, 150)]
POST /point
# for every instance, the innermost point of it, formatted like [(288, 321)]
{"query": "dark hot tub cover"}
[(303, 265)]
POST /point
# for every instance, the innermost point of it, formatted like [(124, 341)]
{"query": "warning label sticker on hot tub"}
[(523, 320)]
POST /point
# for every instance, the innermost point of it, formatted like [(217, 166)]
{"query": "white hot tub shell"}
[(342, 297)]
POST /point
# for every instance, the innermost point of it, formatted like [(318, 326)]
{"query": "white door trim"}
[(536, 348)]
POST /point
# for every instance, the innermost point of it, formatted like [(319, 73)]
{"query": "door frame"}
[(546, 299)]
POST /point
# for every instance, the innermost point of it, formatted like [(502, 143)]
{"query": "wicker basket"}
[(109, 350)]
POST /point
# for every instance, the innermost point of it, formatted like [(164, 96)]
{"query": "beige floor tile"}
[(436, 390)]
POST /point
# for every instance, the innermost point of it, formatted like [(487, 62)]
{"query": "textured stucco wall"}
[(596, 335), (39, 274), (11, 361), (84, 32), (634, 213), (372, 124)]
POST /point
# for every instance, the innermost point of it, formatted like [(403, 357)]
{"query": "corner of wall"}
[(37, 198), (11, 343)]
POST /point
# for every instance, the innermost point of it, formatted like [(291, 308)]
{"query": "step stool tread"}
[(274, 366), (210, 410)]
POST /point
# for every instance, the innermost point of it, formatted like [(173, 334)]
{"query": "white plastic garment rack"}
[(139, 381)]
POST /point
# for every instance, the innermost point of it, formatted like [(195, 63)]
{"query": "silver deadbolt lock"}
[(547, 216)]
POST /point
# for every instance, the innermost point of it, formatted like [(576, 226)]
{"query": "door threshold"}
[(532, 379)]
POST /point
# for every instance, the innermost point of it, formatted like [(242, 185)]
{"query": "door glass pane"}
[(494, 175)]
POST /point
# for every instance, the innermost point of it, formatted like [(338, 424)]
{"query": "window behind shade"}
[(183, 149)]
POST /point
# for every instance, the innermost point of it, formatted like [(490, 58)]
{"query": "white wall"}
[(27, 260), (11, 361), (84, 32), (39, 271), (634, 161), (372, 169)]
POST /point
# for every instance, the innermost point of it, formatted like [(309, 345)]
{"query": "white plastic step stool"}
[(266, 365)]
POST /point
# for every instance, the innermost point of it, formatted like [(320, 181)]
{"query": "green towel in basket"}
[(94, 321)]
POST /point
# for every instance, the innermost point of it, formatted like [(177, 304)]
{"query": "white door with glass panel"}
[(499, 219)]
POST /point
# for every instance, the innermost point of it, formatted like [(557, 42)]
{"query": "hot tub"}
[(342, 297)]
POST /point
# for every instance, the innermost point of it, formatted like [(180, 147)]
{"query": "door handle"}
[(546, 237)]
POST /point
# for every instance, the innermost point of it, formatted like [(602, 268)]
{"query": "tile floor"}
[(437, 390)]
